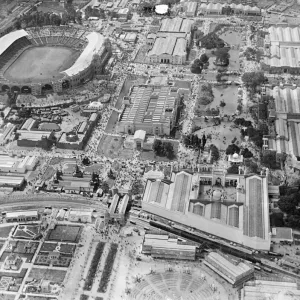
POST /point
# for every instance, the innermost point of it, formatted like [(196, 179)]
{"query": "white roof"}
[(15, 214), (84, 60), (140, 134), (9, 38), (80, 213)]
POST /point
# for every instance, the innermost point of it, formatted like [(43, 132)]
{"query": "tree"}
[(253, 79), (157, 147), (105, 187), (196, 67), (222, 57), (168, 150), (246, 153), (232, 148), (215, 155), (234, 169), (137, 187), (211, 41), (268, 159), (288, 203), (204, 58)]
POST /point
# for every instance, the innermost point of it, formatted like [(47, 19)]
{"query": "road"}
[(45, 200)]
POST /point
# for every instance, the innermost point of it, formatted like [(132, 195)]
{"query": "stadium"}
[(50, 59)]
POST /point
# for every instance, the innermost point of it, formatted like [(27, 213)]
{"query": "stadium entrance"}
[(26, 90), (47, 88)]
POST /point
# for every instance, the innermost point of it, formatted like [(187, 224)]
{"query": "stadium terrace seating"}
[(13, 50)]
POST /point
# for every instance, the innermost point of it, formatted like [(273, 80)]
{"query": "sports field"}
[(41, 63)]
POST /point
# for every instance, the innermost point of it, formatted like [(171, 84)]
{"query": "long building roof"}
[(95, 42), (33, 135), (149, 105), (176, 25), (10, 38), (234, 270), (287, 99)]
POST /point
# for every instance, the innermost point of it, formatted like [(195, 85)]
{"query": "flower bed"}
[(109, 263), (93, 267)]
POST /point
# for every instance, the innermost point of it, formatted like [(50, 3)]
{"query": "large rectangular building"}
[(35, 138), (235, 272), (282, 49), (287, 122), (280, 289), (149, 108), (172, 42), (161, 246), (231, 207), (16, 164)]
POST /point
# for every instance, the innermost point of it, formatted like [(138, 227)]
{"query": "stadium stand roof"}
[(10, 38), (95, 42)]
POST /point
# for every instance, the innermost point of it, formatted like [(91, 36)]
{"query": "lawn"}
[(41, 63), (48, 247), (8, 297), (27, 231), (14, 275), (57, 276), (65, 233), (5, 231)]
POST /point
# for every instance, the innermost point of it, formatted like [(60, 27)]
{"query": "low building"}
[(7, 135), (235, 159), (38, 138), (13, 262), (77, 138), (71, 184), (14, 182), (282, 234), (139, 138), (130, 37), (278, 289), (161, 246), (235, 272), (80, 216), (191, 9), (22, 216), (16, 164)]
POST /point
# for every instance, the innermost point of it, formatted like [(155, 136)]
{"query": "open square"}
[(41, 63)]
